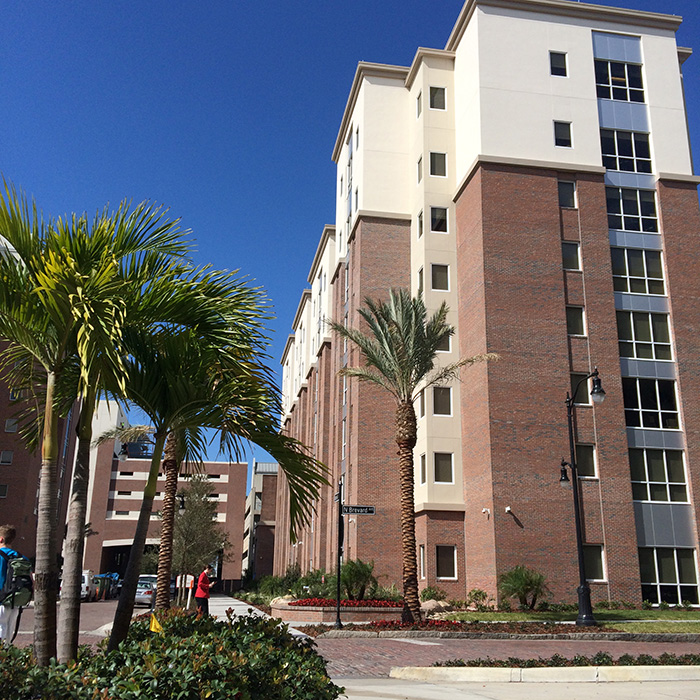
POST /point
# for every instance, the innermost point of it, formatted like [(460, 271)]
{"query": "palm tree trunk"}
[(46, 568), (406, 441), (125, 607), (69, 617), (171, 467)]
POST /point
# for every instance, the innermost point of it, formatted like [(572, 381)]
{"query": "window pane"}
[(658, 492), (641, 146), (582, 396), (443, 467), (567, 194), (647, 393), (438, 164), (624, 326), (667, 395), (562, 134), (438, 219), (619, 264), (440, 277), (647, 569), (569, 254), (655, 465), (674, 464), (639, 492), (445, 562), (423, 469), (659, 323), (557, 63), (574, 320), (629, 392), (607, 142), (667, 565), (585, 463), (437, 98), (442, 404), (686, 566), (677, 493), (593, 562), (637, 470)]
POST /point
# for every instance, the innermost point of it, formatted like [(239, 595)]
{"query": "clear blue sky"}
[(224, 111)]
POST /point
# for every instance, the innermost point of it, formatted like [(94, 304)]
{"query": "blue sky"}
[(225, 112)]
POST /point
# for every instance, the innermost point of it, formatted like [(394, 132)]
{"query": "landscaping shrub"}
[(524, 584), (479, 599), (248, 658), (347, 603), (432, 593), (356, 578), (600, 659)]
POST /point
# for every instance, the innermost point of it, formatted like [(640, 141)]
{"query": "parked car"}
[(88, 586), (145, 593)]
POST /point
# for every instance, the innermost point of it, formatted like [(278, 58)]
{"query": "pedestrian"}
[(9, 611), (201, 595)]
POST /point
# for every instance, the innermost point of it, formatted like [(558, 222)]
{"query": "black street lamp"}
[(585, 610)]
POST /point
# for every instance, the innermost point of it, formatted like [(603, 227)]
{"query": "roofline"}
[(305, 297), (420, 56), (567, 8), (287, 347), (364, 70), (684, 53), (328, 233)]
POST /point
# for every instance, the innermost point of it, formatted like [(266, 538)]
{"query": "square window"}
[(420, 168), (11, 425), (557, 63), (423, 469), (438, 164), (438, 219), (437, 98), (446, 561), (444, 345), (593, 562), (567, 194), (442, 401), (420, 224), (585, 460), (570, 256), (574, 320), (562, 134), (443, 467), (440, 278), (6, 456)]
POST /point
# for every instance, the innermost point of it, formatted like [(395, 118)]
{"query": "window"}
[(643, 335), (650, 403), (440, 278), (574, 320), (557, 63), (585, 460), (619, 81), (126, 493), (16, 394), (11, 425), (420, 224), (442, 401), (6, 456), (438, 164), (3, 490), (128, 473), (420, 168), (421, 403), (420, 282), (631, 210), (423, 469), (421, 561), (668, 575), (437, 98), (570, 256), (583, 395), (658, 475), (637, 271), (419, 104), (126, 512), (444, 345), (446, 561), (593, 562), (562, 134), (438, 219), (625, 150), (567, 194), (357, 199), (442, 462), (357, 137)]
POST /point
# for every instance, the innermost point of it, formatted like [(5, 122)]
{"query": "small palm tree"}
[(399, 355)]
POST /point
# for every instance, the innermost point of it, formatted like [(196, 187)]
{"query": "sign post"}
[(341, 533)]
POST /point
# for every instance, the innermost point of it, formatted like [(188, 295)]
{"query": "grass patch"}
[(660, 627), (600, 616)]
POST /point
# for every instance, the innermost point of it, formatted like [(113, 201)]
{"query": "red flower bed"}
[(332, 603)]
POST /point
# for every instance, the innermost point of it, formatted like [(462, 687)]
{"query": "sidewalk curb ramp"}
[(577, 674)]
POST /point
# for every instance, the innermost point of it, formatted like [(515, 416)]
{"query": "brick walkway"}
[(372, 657)]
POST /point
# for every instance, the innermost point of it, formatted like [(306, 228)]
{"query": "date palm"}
[(399, 352)]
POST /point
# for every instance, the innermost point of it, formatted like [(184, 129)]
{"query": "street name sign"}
[(359, 510)]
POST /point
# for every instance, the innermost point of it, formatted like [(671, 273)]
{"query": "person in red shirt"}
[(201, 595)]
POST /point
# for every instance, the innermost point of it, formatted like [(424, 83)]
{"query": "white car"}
[(88, 587)]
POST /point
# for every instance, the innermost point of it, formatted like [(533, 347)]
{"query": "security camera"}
[(507, 509)]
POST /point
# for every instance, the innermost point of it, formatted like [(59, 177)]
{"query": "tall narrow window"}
[(423, 469), (574, 320), (420, 224), (442, 401), (443, 467), (557, 63), (420, 282), (437, 98), (421, 561), (420, 168), (567, 194), (438, 219), (570, 255), (562, 134), (446, 561), (419, 104), (438, 164), (585, 460), (593, 562)]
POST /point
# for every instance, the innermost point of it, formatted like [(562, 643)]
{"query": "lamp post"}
[(585, 610)]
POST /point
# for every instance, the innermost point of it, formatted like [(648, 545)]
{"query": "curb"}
[(588, 637), (577, 674)]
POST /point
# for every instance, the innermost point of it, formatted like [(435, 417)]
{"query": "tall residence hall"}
[(536, 175)]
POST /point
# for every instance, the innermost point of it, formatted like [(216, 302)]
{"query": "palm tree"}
[(399, 355), (61, 303)]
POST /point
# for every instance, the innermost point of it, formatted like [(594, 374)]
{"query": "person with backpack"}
[(16, 586)]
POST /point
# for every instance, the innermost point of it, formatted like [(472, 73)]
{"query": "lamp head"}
[(597, 392), (564, 476)]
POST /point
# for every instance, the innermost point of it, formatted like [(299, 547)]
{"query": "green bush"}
[(357, 578), (524, 584), (386, 593), (248, 658), (432, 593), (480, 600)]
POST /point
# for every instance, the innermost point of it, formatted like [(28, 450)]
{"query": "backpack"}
[(19, 587)]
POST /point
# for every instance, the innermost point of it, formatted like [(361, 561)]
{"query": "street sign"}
[(359, 510)]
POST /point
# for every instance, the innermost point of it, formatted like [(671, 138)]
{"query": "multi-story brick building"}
[(259, 525), (536, 175)]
